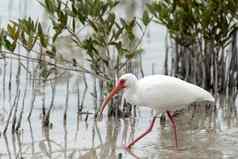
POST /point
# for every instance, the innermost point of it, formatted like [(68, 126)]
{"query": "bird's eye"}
[(122, 81)]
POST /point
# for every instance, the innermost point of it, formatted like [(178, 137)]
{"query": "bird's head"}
[(126, 81)]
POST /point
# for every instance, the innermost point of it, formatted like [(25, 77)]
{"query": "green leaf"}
[(43, 38), (93, 25), (50, 5), (146, 18), (123, 22), (44, 71), (129, 28), (8, 45), (131, 55)]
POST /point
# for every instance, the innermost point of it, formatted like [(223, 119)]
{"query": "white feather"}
[(163, 92)]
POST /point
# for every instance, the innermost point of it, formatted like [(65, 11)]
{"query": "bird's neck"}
[(131, 94)]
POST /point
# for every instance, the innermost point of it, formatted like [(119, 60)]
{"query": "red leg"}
[(143, 134), (174, 126)]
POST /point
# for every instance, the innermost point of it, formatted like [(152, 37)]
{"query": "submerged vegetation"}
[(203, 48)]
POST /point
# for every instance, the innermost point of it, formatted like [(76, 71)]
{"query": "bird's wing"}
[(165, 91)]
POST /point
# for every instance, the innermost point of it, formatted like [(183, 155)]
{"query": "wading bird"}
[(161, 93)]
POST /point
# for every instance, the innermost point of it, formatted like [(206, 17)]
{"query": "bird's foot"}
[(127, 147)]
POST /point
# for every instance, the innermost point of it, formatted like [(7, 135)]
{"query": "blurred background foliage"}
[(204, 43), (108, 44)]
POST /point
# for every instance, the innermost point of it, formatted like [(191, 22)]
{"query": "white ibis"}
[(160, 92)]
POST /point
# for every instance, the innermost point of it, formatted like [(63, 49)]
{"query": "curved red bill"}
[(120, 85)]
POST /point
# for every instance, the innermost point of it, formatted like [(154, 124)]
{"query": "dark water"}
[(203, 132)]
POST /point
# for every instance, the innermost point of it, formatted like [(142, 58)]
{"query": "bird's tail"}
[(209, 97)]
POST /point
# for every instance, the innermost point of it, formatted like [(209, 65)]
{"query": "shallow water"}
[(203, 132)]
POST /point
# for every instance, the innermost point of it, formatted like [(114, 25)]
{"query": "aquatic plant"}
[(109, 43), (202, 34)]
